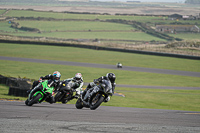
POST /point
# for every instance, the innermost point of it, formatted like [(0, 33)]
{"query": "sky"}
[(162, 1), (175, 1)]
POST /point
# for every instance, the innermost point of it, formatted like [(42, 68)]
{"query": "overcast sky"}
[(176, 1), (162, 0)]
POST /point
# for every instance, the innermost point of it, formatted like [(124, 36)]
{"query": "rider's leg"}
[(90, 85), (87, 95), (50, 99), (78, 92)]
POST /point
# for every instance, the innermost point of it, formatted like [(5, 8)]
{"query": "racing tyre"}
[(35, 99), (95, 101), (79, 104), (26, 102), (57, 96)]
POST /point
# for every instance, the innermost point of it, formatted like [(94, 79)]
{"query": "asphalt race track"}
[(63, 118), (127, 68), (16, 117)]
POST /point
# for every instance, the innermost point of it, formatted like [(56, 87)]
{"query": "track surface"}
[(46, 118)]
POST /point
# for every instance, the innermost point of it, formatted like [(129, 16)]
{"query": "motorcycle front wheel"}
[(96, 100), (26, 102), (79, 104), (35, 99)]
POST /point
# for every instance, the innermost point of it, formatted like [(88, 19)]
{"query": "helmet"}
[(56, 76), (111, 77), (78, 76)]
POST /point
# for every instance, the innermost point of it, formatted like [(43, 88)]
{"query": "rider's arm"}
[(113, 87), (46, 77), (58, 86), (80, 86), (99, 79)]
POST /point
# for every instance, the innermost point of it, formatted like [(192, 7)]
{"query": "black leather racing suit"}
[(99, 80)]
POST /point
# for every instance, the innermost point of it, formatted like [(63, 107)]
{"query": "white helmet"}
[(78, 76)]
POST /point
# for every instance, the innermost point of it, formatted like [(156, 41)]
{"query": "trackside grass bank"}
[(187, 100), (97, 56), (35, 70)]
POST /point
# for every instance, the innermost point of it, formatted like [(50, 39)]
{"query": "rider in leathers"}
[(78, 80), (109, 76), (53, 80)]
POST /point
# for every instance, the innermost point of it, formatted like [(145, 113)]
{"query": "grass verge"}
[(187, 100), (36, 70)]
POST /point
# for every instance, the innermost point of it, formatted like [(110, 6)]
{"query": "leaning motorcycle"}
[(66, 91), (97, 95), (40, 93)]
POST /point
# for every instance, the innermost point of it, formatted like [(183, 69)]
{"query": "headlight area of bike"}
[(96, 98), (106, 89), (98, 93)]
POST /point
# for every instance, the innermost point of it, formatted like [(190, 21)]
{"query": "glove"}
[(98, 80), (95, 80), (40, 80), (92, 84)]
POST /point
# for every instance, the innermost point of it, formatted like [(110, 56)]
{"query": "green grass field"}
[(59, 29), (2, 11), (75, 26), (36, 14), (36, 70), (5, 27), (134, 97), (187, 37), (92, 35), (97, 56), (142, 98), (144, 19)]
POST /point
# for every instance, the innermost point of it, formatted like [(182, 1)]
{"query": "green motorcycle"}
[(40, 93)]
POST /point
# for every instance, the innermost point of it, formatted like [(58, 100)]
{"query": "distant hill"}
[(192, 1)]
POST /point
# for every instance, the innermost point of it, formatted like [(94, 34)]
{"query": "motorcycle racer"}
[(109, 76), (78, 79), (54, 81)]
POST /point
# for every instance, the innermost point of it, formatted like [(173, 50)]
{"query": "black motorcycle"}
[(97, 95), (66, 91)]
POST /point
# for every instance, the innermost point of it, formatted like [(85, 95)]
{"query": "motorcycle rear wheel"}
[(57, 96), (34, 99), (96, 100)]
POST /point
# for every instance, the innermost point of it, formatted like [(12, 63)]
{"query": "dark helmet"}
[(56, 76), (111, 77)]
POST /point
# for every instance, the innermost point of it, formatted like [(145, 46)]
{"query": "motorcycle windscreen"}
[(107, 86), (67, 85), (46, 87)]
